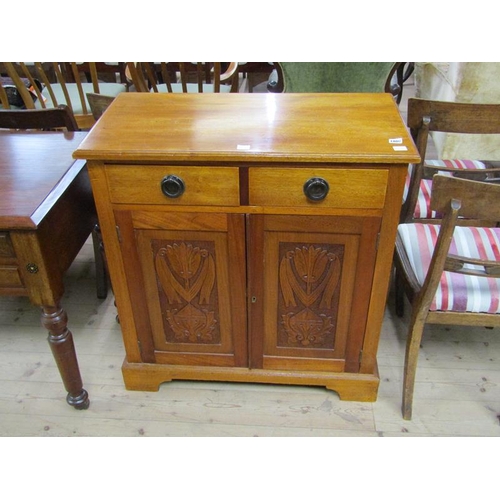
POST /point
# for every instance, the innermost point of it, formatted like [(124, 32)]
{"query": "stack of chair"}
[(447, 256), (184, 77), (48, 85)]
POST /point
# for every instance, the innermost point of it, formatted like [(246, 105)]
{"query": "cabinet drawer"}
[(9, 277), (347, 187), (202, 185)]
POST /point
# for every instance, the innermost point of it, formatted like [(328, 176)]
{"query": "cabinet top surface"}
[(250, 128)]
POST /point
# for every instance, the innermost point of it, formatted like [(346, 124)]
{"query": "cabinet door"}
[(192, 310), (310, 281)]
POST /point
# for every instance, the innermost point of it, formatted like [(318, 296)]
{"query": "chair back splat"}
[(48, 85), (183, 77), (43, 119), (99, 103), (340, 77), (426, 117), (450, 271)]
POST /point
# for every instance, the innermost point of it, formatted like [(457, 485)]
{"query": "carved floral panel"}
[(187, 287), (309, 284)]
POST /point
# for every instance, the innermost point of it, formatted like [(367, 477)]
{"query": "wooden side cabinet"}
[(250, 237)]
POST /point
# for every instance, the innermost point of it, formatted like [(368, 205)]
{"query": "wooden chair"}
[(255, 72), (98, 104), (183, 77), (451, 273), (426, 116), (338, 77), (4, 98), (70, 87), (109, 72), (43, 119)]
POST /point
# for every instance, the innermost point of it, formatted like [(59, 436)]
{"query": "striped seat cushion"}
[(422, 208), (456, 292), (459, 164)]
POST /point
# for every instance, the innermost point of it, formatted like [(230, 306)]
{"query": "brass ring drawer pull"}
[(172, 186), (316, 189)]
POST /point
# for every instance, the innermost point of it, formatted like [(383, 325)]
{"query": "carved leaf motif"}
[(167, 280), (310, 263), (306, 327), (286, 277), (184, 259), (313, 266), (186, 272), (332, 283), (192, 325), (207, 280)]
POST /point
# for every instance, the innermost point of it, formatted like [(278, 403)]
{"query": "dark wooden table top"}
[(35, 169)]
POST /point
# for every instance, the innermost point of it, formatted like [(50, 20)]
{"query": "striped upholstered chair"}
[(450, 272), (425, 116)]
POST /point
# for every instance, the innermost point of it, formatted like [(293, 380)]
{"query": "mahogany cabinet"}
[(250, 236)]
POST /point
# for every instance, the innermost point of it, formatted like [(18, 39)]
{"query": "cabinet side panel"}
[(117, 272), (362, 291), (135, 284), (383, 264)]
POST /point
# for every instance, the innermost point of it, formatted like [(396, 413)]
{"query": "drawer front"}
[(347, 187), (6, 249), (202, 185), (9, 277)]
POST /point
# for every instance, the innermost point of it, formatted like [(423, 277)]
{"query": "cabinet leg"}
[(365, 391), (55, 320)]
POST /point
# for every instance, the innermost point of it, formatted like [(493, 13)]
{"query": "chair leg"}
[(100, 264), (412, 351)]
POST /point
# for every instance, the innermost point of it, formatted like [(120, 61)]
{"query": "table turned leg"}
[(55, 320)]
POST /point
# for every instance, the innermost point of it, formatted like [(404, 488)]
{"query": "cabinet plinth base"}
[(349, 386)]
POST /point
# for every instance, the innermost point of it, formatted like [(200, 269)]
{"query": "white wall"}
[(461, 82)]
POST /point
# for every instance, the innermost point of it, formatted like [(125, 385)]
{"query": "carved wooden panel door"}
[(310, 281), (193, 270)]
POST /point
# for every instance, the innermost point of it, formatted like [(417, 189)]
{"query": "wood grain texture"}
[(250, 128), (219, 186), (175, 258), (349, 387), (382, 270), (32, 166), (285, 187)]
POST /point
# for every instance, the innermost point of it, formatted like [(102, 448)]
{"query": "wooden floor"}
[(457, 390)]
